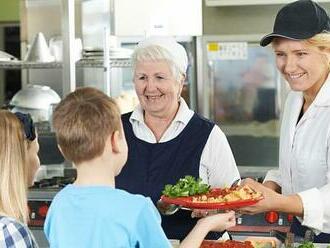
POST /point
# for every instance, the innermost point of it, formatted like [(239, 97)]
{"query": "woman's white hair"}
[(162, 49)]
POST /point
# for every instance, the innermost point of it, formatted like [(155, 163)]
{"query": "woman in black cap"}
[(301, 42)]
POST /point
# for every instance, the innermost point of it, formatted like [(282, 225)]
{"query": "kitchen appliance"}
[(37, 100), (40, 197), (42, 193), (240, 89)]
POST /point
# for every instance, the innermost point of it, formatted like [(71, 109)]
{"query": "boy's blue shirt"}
[(102, 216)]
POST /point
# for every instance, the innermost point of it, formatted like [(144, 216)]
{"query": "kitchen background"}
[(231, 79)]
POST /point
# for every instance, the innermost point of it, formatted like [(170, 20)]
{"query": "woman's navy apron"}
[(150, 167)]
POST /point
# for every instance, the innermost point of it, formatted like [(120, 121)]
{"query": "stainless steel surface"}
[(68, 34), (211, 76), (239, 89), (94, 63), (235, 183), (203, 81), (106, 60), (39, 235), (99, 63), (168, 209), (202, 92), (42, 194), (39, 50), (29, 65)]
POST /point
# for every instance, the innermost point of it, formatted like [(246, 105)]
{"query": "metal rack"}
[(68, 66), (83, 63), (99, 63), (29, 65)]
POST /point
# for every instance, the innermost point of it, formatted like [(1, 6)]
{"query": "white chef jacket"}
[(217, 165), (304, 162)]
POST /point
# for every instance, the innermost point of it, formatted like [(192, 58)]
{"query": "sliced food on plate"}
[(192, 193), (236, 193)]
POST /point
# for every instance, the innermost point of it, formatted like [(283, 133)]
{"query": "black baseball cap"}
[(299, 20)]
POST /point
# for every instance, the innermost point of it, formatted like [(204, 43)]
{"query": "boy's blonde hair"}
[(13, 167), (83, 121)]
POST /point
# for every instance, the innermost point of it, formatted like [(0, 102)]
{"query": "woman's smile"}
[(156, 87)]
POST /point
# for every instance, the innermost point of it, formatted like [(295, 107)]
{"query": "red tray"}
[(187, 202), (226, 244)]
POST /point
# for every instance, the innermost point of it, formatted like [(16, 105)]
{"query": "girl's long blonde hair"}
[(13, 167)]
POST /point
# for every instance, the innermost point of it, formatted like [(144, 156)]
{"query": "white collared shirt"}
[(217, 165), (305, 156)]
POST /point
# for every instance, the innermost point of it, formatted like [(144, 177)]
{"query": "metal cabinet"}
[(62, 76), (241, 90)]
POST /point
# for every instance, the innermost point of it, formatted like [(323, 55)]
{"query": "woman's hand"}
[(269, 202)]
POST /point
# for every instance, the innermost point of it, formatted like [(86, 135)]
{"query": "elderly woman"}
[(301, 43), (166, 139)]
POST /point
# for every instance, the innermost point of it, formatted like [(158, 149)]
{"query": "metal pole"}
[(106, 60), (68, 37)]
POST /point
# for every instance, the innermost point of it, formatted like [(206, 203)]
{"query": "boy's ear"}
[(115, 141)]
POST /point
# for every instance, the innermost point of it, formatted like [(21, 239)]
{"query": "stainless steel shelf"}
[(98, 63), (92, 63), (29, 65)]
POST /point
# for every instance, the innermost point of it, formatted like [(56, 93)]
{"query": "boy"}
[(91, 212)]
